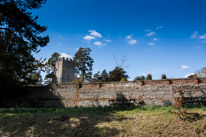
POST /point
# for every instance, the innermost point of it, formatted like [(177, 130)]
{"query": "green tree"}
[(83, 64), (192, 76), (20, 38), (104, 76), (149, 77), (139, 78), (117, 74), (96, 77), (50, 68), (163, 76)]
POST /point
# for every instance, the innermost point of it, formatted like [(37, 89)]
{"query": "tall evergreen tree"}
[(20, 38), (83, 64), (96, 77), (50, 68), (104, 76)]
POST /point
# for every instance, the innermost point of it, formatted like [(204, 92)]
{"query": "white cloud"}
[(95, 33), (155, 39), (132, 41), (184, 67), (159, 27), (98, 43), (150, 34), (65, 55), (194, 35), (88, 37), (108, 40), (151, 44), (202, 36), (189, 74), (129, 37)]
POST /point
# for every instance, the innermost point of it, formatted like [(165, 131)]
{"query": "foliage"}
[(83, 64), (139, 78), (20, 37), (192, 76), (104, 76), (96, 77), (179, 103), (149, 77), (117, 74), (50, 68), (123, 79), (164, 76), (201, 73)]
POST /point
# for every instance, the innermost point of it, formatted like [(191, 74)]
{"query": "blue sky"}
[(156, 36)]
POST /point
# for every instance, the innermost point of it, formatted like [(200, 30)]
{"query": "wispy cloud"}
[(98, 43), (202, 36), (184, 67), (129, 37), (155, 39), (150, 34), (197, 36), (108, 40), (131, 40), (95, 33), (194, 35), (159, 27), (151, 44), (88, 37), (65, 55)]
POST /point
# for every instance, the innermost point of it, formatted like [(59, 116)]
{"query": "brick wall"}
[(153, 92)]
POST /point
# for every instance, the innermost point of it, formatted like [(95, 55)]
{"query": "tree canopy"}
[(50, 68), (117, 74), (149, 77), (201, 73), (139, 78), (83, 64), (20, 38)]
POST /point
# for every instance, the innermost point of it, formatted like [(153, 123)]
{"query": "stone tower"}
[(65, 70)]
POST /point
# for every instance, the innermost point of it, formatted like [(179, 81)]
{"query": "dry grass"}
[(134, 122)]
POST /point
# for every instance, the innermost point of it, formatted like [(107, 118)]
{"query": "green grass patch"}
[(102, 121)]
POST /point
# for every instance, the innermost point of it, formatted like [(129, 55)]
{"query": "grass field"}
[(107, 121)]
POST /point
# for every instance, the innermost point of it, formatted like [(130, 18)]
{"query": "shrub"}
[(163, 76), (123, 79), (139, 78), (192, 76), (149, 77)]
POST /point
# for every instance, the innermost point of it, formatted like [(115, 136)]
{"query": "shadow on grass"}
[(191, 117), (72, 122)]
